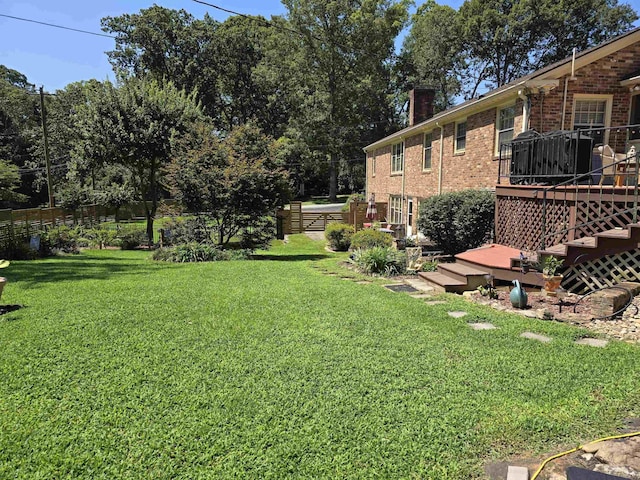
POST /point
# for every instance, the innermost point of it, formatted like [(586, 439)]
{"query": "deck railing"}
[(596, 168)]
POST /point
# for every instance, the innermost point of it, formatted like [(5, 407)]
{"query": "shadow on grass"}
[(32, 273), (291, 258)]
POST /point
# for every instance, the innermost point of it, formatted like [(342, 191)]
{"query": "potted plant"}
[(552, 280)]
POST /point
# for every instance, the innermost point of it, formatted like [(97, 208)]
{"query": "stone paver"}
[(535, 336), (592, 342), (435, 302), (482, 326), (517, 473), (457, 314)]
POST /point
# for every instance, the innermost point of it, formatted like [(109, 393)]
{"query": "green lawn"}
[(119, 367)]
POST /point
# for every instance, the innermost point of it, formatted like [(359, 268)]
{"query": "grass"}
[(119, 367)]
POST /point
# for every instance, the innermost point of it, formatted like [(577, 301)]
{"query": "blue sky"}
[(54, 58)]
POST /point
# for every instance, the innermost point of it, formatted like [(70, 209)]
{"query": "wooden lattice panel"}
[(519, 222), (603, 272), (605, 215)]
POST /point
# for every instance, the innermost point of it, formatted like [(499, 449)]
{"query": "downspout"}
[(526, 109), (566, 86), (404, 169), (440, 167)]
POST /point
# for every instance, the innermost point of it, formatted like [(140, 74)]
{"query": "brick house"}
[(459, 148)]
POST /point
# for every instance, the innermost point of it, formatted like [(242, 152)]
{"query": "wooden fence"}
[(20, 225), (295, 220)]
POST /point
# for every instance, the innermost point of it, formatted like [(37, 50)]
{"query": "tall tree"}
[(488, 43), (342, 64), (132, 125), (19, 118), (432, 52), (507, 39)]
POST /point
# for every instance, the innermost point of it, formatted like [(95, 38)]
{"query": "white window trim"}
[(457, 150), (373, 164), (496, 150), (424, 151), (607, 112), (392, 209), (397, 172)]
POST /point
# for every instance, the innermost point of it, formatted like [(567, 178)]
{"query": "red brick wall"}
[(477, 166), (601, 77)]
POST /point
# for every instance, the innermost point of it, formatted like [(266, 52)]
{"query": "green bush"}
[(98, 237), (354, 197), (188, 230), (60, 239), (198, 252), (131, 238), (369, 238), (381, 260), (458, 221), (339, 236)]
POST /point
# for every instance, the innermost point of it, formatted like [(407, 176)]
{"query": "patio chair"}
[(622, 170)]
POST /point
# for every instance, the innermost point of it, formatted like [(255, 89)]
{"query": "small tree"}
[(458, 221), (234, 181)]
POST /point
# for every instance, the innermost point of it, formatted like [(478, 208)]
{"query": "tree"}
[(234, 181), (18, 119), (507, 39), (432, 53), (132, 125), (341, 62)]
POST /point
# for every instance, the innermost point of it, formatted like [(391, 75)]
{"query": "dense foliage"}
[(235, 181), (458, 221), (339, 236), (380, 260), (371, 237)]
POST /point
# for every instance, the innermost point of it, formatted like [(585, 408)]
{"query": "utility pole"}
[(43, 115)]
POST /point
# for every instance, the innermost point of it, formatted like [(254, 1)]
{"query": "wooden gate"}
[(318, 221)]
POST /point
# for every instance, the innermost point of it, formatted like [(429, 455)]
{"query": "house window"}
[(373, 165), (426, 155), (461, 137), (504, 127), (397, 158), (396, 210), (592, 112)]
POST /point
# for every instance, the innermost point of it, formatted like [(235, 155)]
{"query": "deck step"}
[(584, 242), (460, 271), (621, 233), (559, 250), (443, 282)]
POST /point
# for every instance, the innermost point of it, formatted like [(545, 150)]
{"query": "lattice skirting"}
[(603, 272)]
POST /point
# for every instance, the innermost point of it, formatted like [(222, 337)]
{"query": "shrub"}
[(382, 260), (354, 197), (188, 230), (60, 239), (100, 237), (198, 252), (259, 234), (370, 238), (132, 238), (458, 221), (339, 236)]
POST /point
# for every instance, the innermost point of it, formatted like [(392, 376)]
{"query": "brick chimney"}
[(420, 104)]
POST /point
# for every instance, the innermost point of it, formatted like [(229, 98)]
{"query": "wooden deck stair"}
[(471, 267), (609, 242)]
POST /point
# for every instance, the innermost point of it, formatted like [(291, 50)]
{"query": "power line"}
[(57, 26), (271, 24)]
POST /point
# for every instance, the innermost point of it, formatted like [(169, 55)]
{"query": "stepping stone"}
[(457, 314), (401, 287), (421, 295), (482, 326), (364, 282), (592, 342), (517, 473), (435, 302), (535, 336)]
